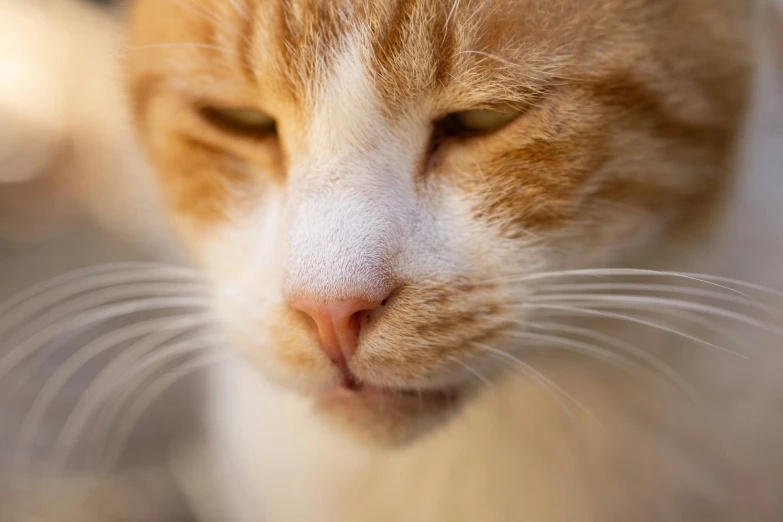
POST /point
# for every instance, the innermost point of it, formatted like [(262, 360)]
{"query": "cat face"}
[(366, 184)]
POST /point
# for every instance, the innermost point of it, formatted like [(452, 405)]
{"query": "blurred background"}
[(75, 192)]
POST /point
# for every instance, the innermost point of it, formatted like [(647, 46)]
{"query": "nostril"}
[(306, 316), (338, 324), (349, 381), (360, 318)]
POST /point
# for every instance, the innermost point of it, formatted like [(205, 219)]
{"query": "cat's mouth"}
[(383, 413), (388, 416), (353, 388), (364, 395), (370, 392)]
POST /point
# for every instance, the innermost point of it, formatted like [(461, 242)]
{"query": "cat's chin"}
[(390, 418)]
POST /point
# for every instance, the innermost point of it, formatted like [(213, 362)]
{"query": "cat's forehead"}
[(409, 47), (478, 51)]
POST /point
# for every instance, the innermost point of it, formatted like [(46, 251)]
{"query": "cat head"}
[(368, 184)]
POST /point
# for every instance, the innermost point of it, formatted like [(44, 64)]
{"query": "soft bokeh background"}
[(74, 192)]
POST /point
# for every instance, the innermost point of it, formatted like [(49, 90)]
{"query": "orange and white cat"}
[(390, 199)]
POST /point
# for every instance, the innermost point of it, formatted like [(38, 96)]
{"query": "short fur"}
[(631, 114)]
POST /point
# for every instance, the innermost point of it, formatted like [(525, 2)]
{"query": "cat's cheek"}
[(269, 337), (206, 180), (241, 247), (244, 260)]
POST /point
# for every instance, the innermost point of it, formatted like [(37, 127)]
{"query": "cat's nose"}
[(338, 324)]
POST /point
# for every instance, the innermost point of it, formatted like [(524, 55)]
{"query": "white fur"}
[(352, 193)]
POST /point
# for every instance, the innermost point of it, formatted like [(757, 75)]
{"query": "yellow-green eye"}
[(478, 121), (241, 120)]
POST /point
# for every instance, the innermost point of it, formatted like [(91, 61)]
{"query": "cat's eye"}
[(478, 121), (242, 120)]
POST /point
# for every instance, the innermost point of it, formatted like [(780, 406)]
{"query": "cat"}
[(426, 225)]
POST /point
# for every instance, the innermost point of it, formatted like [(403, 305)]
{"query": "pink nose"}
[(338, 324)]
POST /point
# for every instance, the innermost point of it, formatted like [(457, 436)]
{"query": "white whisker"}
[(545, 382), (96, 392), (454, 6), (90, 274), (28, 433), (34, 418), (650, 301), (131, 380), (482, 378), (49, 311), (19, 352), (714, 280), (80, 290), (671, 289), (150, 395), (622, 346), (579, 347), (480, 8), (60, 315), (610, 315)]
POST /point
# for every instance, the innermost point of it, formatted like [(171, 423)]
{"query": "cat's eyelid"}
[(238, 120), (476, 122), (518, 103), (501, 107), (201, 102)]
